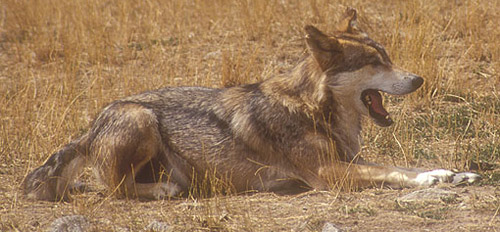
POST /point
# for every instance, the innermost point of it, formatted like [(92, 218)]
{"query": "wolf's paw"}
[(435, 176), (466, 178), (164, 190)]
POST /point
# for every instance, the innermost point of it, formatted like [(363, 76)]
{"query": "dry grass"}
[(62, 61)]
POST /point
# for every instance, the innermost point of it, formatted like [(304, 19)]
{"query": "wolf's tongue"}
[(373, 101), (376, 105)]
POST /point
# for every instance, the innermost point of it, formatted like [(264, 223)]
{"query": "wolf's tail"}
[(53, 180)]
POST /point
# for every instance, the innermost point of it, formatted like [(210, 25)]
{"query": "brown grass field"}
[(62, 61)]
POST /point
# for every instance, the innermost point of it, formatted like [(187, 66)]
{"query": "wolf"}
[(291, 133)]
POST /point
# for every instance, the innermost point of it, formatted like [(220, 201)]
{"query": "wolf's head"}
[(357, 68)]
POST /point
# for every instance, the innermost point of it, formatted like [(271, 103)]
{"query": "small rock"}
[(156, 226), (330, 227), (73, 223)]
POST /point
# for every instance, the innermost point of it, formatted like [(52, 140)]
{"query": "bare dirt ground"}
[(62, 61), (470, 208)]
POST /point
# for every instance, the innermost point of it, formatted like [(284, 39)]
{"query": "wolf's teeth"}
[(368, 100)]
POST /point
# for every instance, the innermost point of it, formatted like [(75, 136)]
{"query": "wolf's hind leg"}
[(128, 140)]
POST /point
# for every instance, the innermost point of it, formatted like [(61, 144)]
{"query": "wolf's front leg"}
[(367, 175)]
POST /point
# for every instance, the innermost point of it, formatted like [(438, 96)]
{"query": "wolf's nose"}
[(417, 82)]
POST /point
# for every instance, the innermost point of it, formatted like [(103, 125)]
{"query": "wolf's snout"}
[(417, 81)]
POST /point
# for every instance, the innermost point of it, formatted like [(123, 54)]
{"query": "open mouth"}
[(373, 101)]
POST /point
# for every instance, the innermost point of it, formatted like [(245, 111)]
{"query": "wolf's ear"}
[(321, 46), (349, 22)]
